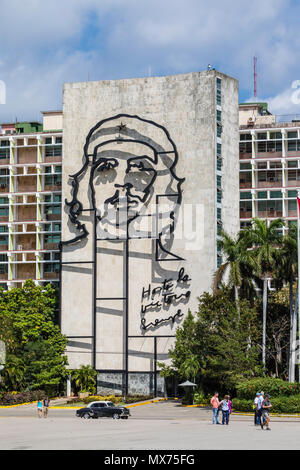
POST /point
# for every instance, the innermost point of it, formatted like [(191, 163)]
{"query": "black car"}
[(103, 409)]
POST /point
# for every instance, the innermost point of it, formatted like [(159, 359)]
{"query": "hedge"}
[(280, 404), (115, 399), (14, 398), (275, 387)]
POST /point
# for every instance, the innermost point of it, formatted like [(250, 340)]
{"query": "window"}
[(4, 149), (53, 180), (261, 136), (56, 227), (50, 209), (3, 229), (219, 130), (245, 206), (245, 195), (219, 116), (3, 200), (219, 181), (3, 268), (292, 164), (245, 137), (219, 164), (52, 238), (275, 194), (245, 177), (292, 193), (58, 140), (275, 135), (262, 195), (4, 211), (219, 213), (293, 145), (292, 135), (51, 267), (245, 166), (246, 147), (219, 261), (292, 205), (219, 195), (262, 165), (3, 240), (219, 149)]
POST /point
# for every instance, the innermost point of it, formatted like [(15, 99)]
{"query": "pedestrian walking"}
[(256, 399), (39, 408), (266, 407), (225, 406), (46, 403), (259, 406), (215, 408)]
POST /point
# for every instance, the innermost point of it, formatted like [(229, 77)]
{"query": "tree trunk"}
[(294, 334), (291, 365), (237, 301), (265, 301)]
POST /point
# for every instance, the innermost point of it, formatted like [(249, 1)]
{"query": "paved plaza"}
[(163, 425)]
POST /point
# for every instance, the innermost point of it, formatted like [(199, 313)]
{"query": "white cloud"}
[(44, 44)]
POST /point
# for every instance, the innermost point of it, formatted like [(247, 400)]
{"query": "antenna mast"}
[(255, 75)]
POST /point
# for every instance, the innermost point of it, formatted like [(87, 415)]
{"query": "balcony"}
[(53, 275), (269, 214), (245, 214)]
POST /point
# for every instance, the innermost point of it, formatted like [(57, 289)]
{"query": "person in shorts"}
[(266, 407), (39, 408), (46, 403)]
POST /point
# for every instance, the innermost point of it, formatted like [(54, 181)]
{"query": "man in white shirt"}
[(256, 399), (259, 406)]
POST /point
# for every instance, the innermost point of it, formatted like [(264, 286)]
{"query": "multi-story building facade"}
[(269, 165), (155, 142), (30, 201)]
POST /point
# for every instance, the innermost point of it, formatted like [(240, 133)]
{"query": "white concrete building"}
[(30, 201), (153, 167)]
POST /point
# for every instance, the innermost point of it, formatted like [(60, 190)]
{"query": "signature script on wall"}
[(168, 294)]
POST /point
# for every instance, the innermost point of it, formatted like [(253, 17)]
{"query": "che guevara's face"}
[(122, 185)]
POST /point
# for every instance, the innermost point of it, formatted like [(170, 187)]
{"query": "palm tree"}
[(237, 258), (265, 240), (13, 373), (190, 368), (287, 270), (85, 378)]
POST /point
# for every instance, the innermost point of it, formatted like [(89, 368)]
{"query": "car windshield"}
[(109, 403)]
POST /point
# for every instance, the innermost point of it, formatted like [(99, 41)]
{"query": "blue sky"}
[(44, 44)]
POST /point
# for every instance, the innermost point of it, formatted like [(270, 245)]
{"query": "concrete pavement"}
[(163, 425)]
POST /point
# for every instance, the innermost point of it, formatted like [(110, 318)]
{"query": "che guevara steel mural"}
[(132, 177)]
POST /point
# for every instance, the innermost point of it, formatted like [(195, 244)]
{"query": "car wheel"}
[(86, 416), (116, 416)]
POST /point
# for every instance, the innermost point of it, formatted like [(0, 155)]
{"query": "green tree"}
[(85, 378), (286, 269), (217, 339), (33, 338), (265, 240), (236, 262)]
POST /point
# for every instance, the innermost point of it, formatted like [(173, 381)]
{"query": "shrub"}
[(275, 387), (14, 398), (115, 399), (280, 404)]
